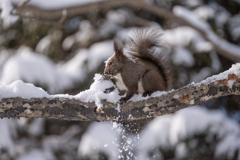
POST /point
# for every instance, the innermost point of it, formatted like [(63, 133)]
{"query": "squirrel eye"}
[(110, 63)]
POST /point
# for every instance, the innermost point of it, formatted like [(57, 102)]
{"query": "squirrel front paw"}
[(123, 100)]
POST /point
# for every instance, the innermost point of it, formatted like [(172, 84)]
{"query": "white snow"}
[(184, 37), (5, 136), (87, 60), (98, 53), (222, 17), (55, 4), (203, 26), (190, 17), (20, 89), (37, 154), (234, 26), (7, 18), (235, 69), (96, 92), (36, 128), (204, 12), (34, 68), (168, 130), (43, 43), (75, 67), (165, 132), (95, 139), (183, 57)]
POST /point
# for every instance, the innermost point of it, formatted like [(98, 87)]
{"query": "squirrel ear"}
[(118, 48)]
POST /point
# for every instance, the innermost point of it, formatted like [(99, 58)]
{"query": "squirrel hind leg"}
[(153, 81)]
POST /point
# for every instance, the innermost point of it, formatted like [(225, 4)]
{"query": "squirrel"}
[(142, 68)]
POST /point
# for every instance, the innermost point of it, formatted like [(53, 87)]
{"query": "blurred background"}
[(60, 44)]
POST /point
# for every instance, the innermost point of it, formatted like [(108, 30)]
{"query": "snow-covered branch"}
[(25, 100), (223, 47), (180, 14)]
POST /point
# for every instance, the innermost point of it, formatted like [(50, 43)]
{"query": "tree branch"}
[(73, 109), (220, 45)]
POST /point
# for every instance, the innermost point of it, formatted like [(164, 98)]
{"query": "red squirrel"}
[(142, 68)]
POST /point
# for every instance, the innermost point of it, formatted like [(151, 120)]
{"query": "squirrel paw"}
[(145, 94), (123, 100)]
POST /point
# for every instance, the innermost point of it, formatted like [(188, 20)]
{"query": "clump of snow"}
[(5, 54), (34, 68), (21, 89), (36, 128), (75, 67), (113, 141), (5, 136), (183, 57), (6, 16), (43, 43), (98, 53), (118, 17), (85, 34), (222, 16), (89, 58), (37, 154), (189, 16), (234, 27), (204, 12), (55, 4), (185, 36), (203, 26), (96, 137), (167, 131), (96, 92)]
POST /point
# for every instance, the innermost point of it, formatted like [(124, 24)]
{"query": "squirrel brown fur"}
[(143, 68)]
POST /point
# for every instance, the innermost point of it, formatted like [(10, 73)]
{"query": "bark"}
[(73, 109)]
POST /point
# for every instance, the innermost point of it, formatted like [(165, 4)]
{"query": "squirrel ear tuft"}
[(118, 48)]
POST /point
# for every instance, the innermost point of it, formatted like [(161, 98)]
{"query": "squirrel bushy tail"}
[(146, 43)]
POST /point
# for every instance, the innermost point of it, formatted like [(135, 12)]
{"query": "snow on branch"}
[(223, 47), (25, 100), (180, 14)]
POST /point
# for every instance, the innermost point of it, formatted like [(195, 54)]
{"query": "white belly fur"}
[(121, 86), (119, 83), (140, 87)]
